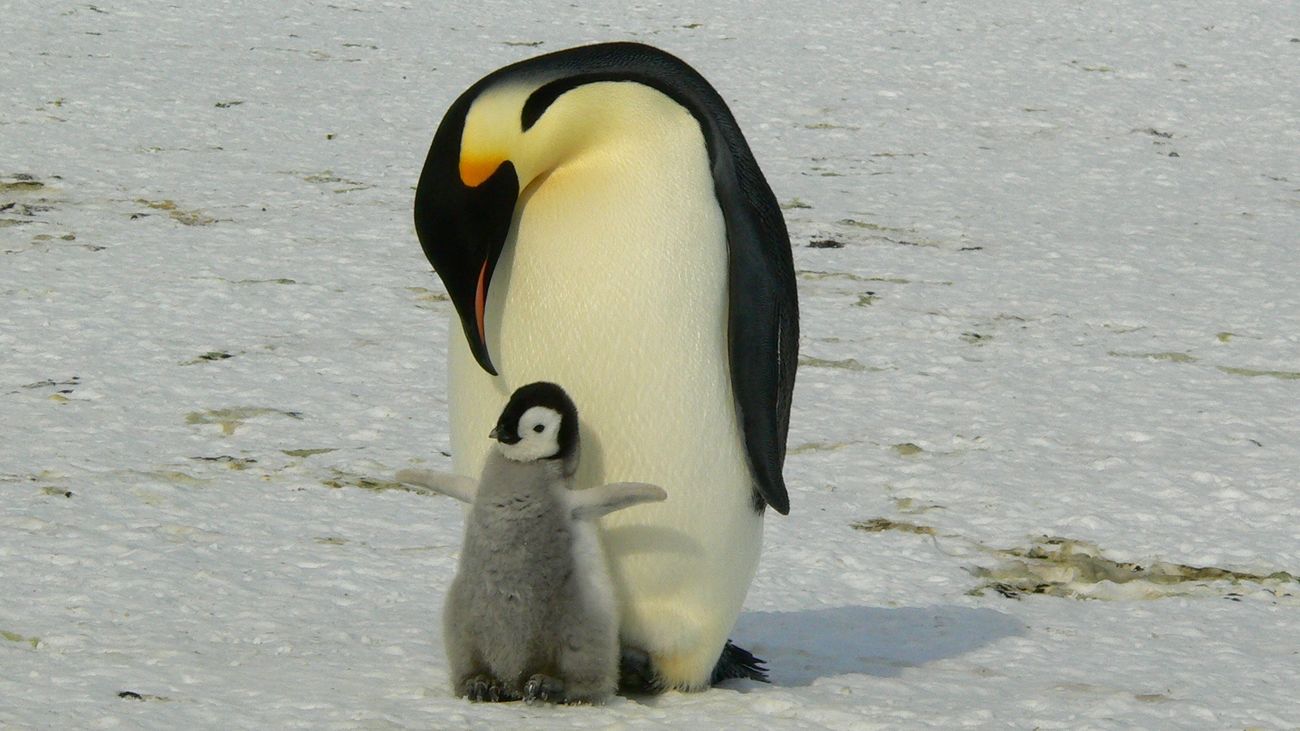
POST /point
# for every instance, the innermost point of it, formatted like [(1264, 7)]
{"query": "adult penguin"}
[(599, 221)]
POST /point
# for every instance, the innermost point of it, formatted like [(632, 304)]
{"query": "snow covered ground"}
[(1045, 449)]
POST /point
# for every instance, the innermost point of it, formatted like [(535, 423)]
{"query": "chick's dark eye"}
[(539, 428)]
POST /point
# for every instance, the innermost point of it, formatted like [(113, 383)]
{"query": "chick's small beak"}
[(505, 436)]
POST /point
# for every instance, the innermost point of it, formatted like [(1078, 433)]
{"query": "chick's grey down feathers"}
[(516, 607), (530, 613), (584, 504)]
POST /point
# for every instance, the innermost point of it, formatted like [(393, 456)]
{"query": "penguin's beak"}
[(505, 436), (463, 212)]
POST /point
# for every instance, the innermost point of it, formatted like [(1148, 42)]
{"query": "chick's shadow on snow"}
[(802, 646)]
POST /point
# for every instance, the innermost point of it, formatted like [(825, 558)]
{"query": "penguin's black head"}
[(508, 132), (539, 422)]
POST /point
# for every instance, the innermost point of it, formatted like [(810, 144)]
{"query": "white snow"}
[(1067, 306)]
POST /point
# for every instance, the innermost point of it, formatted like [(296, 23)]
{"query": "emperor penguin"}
[(598, 219), (531, 612)]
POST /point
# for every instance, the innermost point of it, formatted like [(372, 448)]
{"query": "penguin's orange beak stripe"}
[(474, 170), (480, 301)]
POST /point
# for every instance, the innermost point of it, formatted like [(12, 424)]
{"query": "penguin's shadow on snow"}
[(802, 646)]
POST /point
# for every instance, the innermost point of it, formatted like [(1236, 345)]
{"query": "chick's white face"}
[(539, 436)]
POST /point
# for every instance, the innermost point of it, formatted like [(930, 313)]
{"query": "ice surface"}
[(1053, 342)]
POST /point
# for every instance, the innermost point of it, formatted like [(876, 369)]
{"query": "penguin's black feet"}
[(544, 689), (636, 673), (737, 662), (486, 689)]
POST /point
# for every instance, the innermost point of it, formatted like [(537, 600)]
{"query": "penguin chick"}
[(531, 612)]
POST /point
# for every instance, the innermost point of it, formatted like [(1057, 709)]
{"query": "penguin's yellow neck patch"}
[(475, 169), (491, 134)]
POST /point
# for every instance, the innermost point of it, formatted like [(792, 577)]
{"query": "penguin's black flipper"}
[(737, 662)]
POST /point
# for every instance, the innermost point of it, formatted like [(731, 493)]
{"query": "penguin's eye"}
[(539, 428)]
